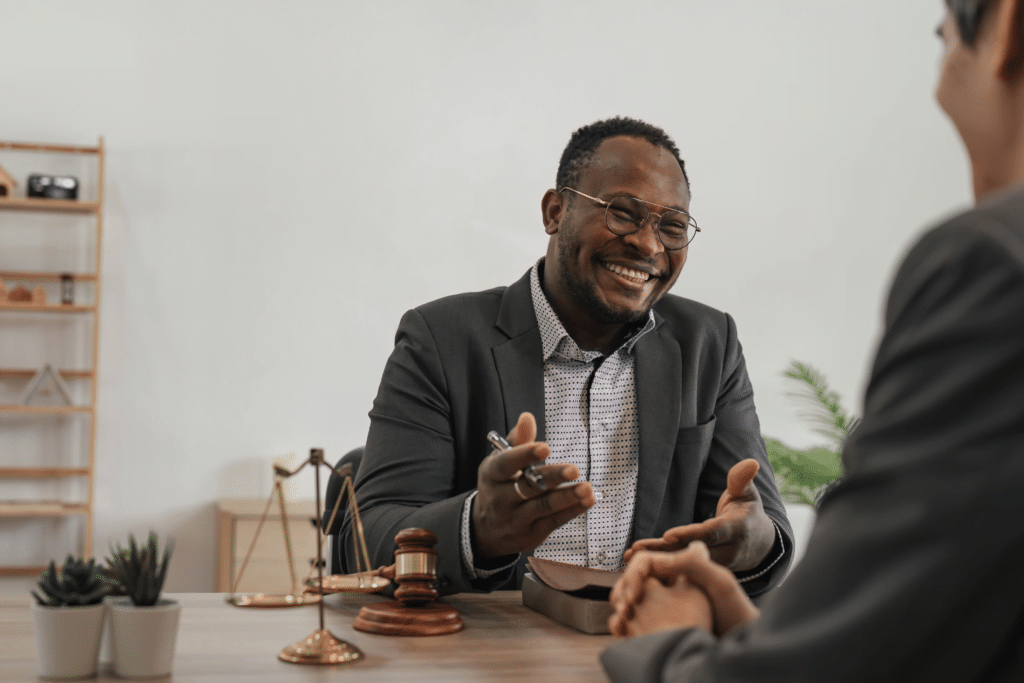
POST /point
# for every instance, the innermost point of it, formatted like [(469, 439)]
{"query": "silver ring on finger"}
[(515, 485)]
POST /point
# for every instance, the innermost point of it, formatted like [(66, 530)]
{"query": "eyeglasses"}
[(626, 215)]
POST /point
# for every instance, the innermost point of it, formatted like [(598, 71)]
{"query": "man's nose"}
[(646, 239)]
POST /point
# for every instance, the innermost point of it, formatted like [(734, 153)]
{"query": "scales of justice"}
[(414, 613)]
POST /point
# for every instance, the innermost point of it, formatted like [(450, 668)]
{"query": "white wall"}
[(286, 178)]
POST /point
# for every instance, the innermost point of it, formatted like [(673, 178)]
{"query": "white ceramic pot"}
[(68, 639), (142, 638)]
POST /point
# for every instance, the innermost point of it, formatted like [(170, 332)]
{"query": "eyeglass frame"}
[(657, 224)]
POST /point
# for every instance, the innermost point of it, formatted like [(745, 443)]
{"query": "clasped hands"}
[(676, 582)]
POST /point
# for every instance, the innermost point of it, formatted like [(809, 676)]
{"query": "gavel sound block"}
[(416, 613)]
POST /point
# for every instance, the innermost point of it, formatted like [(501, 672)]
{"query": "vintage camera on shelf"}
[(52, 186)]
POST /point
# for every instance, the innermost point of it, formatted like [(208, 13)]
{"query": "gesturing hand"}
[(503, 522), (678, 590), (740, 535)]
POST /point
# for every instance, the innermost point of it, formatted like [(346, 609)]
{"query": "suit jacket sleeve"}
[(737, 436), (408, 474), (913, 568)]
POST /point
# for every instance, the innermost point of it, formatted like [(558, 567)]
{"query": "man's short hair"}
[(968, 15), (584, 143)]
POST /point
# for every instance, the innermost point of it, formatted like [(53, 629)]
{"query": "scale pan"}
[(279, 600)]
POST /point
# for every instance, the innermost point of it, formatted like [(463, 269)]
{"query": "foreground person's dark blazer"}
[(470, 363), (914, 568)]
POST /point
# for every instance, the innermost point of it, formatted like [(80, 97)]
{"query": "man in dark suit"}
[(640, 398), (912, 572)]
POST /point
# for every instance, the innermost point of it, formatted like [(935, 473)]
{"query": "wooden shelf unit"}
[(27, 472)]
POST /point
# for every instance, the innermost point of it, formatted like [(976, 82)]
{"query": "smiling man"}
[(633, 403)]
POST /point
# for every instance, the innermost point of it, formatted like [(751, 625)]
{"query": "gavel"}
[(416, 611)]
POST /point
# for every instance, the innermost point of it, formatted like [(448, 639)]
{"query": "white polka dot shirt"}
[(591, 421)]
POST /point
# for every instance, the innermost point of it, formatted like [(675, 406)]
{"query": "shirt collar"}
[(553, 334)]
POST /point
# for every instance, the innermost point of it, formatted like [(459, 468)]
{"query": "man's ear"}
[(552, 209), (1010, 36)]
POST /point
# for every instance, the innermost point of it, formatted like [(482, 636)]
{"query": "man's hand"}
[(503, 522), (678, 590), (740, 535)]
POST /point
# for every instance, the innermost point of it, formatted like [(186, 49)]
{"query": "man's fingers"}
[(499, 468), (740, 476), (525, 430)]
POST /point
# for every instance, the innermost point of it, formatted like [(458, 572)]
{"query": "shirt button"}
[(601, 556), (598, 496)]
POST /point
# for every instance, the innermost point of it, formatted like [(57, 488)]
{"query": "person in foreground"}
[(913, 570), (634, 403)]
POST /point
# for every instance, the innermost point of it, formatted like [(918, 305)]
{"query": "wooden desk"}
[(502, 641)]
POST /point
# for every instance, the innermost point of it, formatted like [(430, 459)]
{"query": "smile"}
[(636, 276)]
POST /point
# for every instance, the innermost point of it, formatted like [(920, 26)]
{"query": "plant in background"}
[(76, 583), (139, 569), (803, 475)]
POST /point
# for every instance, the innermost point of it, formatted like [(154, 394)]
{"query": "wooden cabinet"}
[(267, 570), (52, 247)]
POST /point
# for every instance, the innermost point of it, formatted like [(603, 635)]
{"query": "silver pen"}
[(532, 475)]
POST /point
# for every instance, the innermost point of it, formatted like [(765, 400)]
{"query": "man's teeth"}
[(628, 273)]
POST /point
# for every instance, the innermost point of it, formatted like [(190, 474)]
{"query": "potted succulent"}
[(143, 627), (68, 618)]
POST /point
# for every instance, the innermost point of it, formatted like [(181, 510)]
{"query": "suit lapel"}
[(519, 360), (658, 396)]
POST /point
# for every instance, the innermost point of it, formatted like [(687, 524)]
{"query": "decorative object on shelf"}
[(7, 183), (417, 611), (68, 618), (143, 627), (19, 295), (52, 186), (67, 289), (22, 295), (803, 476), (320, 647), (38, 381)]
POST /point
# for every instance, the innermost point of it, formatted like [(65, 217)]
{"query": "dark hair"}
[(968, 15), (584, 143)]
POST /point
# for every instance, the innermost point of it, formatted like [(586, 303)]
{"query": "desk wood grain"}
[(503, 641)]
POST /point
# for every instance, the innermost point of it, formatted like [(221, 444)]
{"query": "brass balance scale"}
[(417, 613)]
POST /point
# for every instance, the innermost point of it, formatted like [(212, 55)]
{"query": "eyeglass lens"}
[(626, 215)]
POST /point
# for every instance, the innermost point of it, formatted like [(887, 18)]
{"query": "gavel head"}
[(416, 566)]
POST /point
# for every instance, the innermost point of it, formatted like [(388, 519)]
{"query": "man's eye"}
[(673, 227), (624, 214)]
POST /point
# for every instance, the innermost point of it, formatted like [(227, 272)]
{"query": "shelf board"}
[(42, 472), (44, 204), (51, 410), (35, 275), (46, 308), (41, 509), (43, 147), (31, 372), (24, 570)]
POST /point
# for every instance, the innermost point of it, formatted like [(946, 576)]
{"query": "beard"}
[(584, 293)]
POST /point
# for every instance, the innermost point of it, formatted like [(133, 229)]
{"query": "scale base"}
[(321, 648)]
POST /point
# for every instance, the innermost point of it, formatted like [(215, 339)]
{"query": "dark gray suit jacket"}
[(913, 571), (470, 363)]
